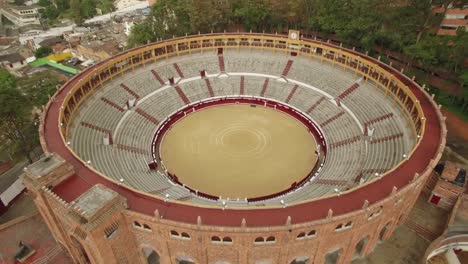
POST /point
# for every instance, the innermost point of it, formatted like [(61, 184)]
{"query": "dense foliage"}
[(42, 52), (407, 27), (78, 10), (20, 99)]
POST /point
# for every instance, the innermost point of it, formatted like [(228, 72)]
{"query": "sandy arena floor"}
[(239, 151)]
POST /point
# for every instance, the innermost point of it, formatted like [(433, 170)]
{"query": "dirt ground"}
[(239, 151), (457, 138), (22, 205), (408, 245), (32, 230)]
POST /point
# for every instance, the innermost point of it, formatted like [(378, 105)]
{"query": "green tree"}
[(106, 6), (76, 12), (88, 8), (207, 15), (141, 34), (15, 116), (253, 14), (42, 52), (39, 86), (167, 18), (62, 5)]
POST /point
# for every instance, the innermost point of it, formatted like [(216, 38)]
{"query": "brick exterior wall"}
[(133, 233), (119, 235)]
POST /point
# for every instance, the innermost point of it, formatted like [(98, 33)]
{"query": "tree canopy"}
[(19, 98)]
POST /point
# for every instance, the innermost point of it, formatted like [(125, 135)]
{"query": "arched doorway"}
[(151, 256), (383, 231), (300, 260), (360, 247), (185, 260), (83, 255), (333, 257)]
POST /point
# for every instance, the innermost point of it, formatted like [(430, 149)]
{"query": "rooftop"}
[(45, 165), (454, 174), (95, 199), (11, 58)]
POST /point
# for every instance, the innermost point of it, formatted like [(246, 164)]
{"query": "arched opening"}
[(145, 226), (185, 235), (312, 233), (259, 240), (151, 256), (264, 262), (174, 233), (215, 239), (301, 235), (333, 257), (358, 250), (383, 231), (227, 240), (83, 255), (300, 260), (271, 239), (184, 260)]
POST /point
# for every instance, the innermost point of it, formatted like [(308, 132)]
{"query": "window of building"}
[(215, 239), (259, 240), (312, 233), (227, 240), (301, 236), (182, 235), (270, 240), (342, 227)]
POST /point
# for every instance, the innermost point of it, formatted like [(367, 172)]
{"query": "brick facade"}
[(118, 235), (106, 230), (444, 191)]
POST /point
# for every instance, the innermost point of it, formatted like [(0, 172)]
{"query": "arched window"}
[(301, 235), (146, 227), (271, 239), (383, 231), (360, 246), (312, 233), (333, 257), (136, 224), (227, 240), (185, 235), (259, 240), (174, 233), (152, 257), (349, 224), (215, 239), (339, 226)]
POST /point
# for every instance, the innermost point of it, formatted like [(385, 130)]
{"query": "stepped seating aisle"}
[(129, 155)]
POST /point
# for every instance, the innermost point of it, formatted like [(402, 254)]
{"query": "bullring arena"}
[(233, 148)]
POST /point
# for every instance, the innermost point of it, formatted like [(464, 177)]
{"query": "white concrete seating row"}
[(343, 163), (248, 61)]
